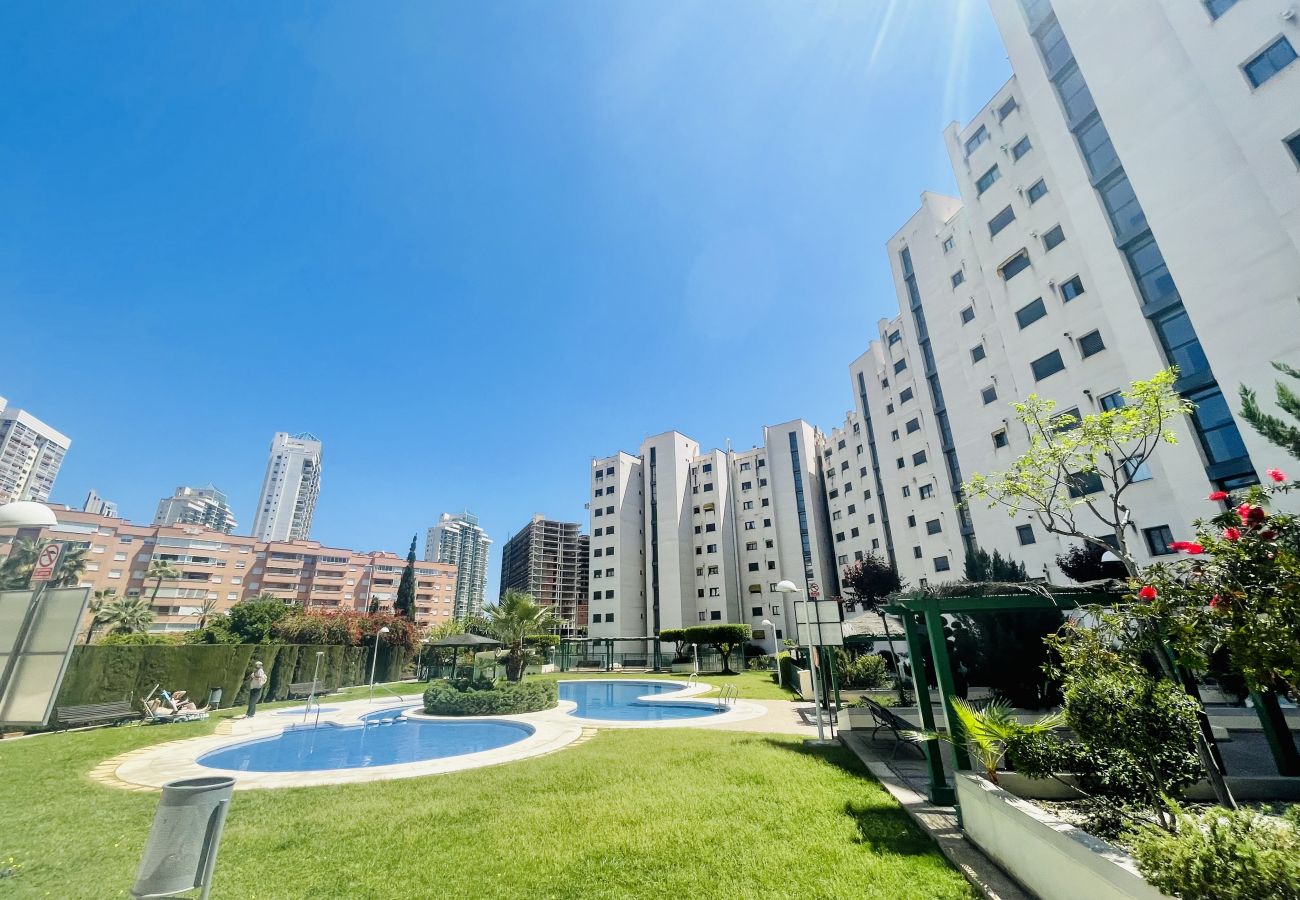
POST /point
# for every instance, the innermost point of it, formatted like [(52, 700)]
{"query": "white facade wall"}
[(196, 506), (617, 579), (458, 540), (289, 489)]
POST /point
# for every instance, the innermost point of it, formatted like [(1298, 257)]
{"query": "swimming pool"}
[(384, 738), (621, 701)]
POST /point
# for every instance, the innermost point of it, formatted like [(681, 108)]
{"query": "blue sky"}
[(470, 245)]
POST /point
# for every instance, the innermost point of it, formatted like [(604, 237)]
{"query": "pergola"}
[(926, 611), (457, 641)]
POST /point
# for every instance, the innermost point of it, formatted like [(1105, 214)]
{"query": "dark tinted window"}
[(1047, 365), (1031, 312)]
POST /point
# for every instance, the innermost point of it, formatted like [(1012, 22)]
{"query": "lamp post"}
[(788, 588), (776, 652), (424, 645), (374, 660)]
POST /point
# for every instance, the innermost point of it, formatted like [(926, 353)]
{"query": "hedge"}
[(99, 673), (449, 699)]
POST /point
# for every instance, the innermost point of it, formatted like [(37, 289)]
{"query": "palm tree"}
[(513, 621), (206, 609), (17, 567), (96, 609), (987, 732), (127, 615), (158, 570), (72, 565)]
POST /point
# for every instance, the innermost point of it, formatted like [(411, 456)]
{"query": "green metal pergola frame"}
[(928, 611), (606, 646)]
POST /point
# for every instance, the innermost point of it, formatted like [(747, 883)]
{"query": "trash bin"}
[(182, 848), (214, 698)]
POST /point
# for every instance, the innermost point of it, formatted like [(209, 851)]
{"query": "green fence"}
[(97, 674)]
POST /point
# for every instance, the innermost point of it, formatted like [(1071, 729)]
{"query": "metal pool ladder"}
[(728, 696), (693, 680)]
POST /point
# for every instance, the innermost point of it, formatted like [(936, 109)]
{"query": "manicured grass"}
[(628, 814), (750, 685)]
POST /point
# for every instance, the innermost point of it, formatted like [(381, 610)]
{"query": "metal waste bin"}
[(214, 698), (182, 848)]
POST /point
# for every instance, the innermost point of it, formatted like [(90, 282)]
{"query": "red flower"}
[(1269, 535), (1190, 547), (1231, 534), (1276, 474), (1216, 601), (1218, 495), (1251, 515), (1147, 592)]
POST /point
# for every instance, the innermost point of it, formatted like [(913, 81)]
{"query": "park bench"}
[(634, 663), (885, 718), (114, 712), (304, 689), (590, 664)]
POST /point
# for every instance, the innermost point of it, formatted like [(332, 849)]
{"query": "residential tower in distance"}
[(204, 506), (290, 488), (98, 505), (549, 560), (31, 453), (459, 541)]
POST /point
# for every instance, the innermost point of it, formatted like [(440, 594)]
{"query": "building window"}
[(895, 337), (913, 425), (1065, 420), (934, 526), (1037, 191), (1053, 238), (1081, 484), (979, 137), (1158, 540), (918, 458), (900, 366), (985, 181), (1072, 288), (941, 564), (967, 314), (1091, 343), (903, 396), (1001, 220), (1273, 59), (1293, 144), (1014, 266), (1213, 421), (1007, 109), (715, 592), (948, 244), (901, 462), (999, 438), (977, 353), (989, 394), (750, 526), (889, 409), (1021, 148), (917, 552), (753, 567), (893, 435), (1025, 533), (1030, 313), (707, 467), (907, 491), (839, 536), (958, 277), (1047, 365), (1217, 8)]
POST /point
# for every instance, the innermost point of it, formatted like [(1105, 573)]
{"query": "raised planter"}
[(1250, 788), (1050, 857), (683, 667)]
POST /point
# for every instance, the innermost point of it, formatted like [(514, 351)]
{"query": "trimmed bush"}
[(789, 670), (140, 639), (485, 698), (865, 671), (1222, 854)]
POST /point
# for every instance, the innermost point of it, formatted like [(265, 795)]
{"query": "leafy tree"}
[(980, 566), (251, 621), (514, 620), (127, 615), (1083, 563), (158, 570), (71, 566), (404, 605), (678, 638), (1272, 428), (1075, 475), (869, 582), (723, 638)]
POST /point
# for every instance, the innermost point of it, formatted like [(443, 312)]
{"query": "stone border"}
[(149, 768)]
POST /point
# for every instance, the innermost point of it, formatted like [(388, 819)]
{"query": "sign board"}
[(814, 590), (819, 623), (36, 668), (47, 560)]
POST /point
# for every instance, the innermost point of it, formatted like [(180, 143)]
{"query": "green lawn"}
[(635, 813)]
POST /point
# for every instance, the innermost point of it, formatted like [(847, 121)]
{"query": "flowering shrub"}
[(348, 629), (1237, 587)]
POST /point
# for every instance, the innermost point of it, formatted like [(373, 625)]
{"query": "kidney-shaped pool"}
[(623, 701)]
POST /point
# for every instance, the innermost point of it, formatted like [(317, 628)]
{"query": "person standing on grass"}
[(256, 681)]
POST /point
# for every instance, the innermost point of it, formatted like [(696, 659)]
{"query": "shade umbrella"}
[(464, 640)]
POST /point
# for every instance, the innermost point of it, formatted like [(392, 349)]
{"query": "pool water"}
[(621, 701), (383, 739)]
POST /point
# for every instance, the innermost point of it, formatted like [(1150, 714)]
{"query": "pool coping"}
[(149, 768)]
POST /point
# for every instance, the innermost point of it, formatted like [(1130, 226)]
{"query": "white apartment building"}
[(204, 506), (1129, 200), (289, 489), (31, 453), (681, 536), (458, 540), (98, 506)]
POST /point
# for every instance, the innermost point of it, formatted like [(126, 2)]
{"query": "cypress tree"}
[(1272, 428), (404, 605)]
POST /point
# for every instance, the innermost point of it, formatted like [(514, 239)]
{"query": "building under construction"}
[(548, 559)]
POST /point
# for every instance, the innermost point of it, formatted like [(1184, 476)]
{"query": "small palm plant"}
[(513, 621), (987, 732)]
